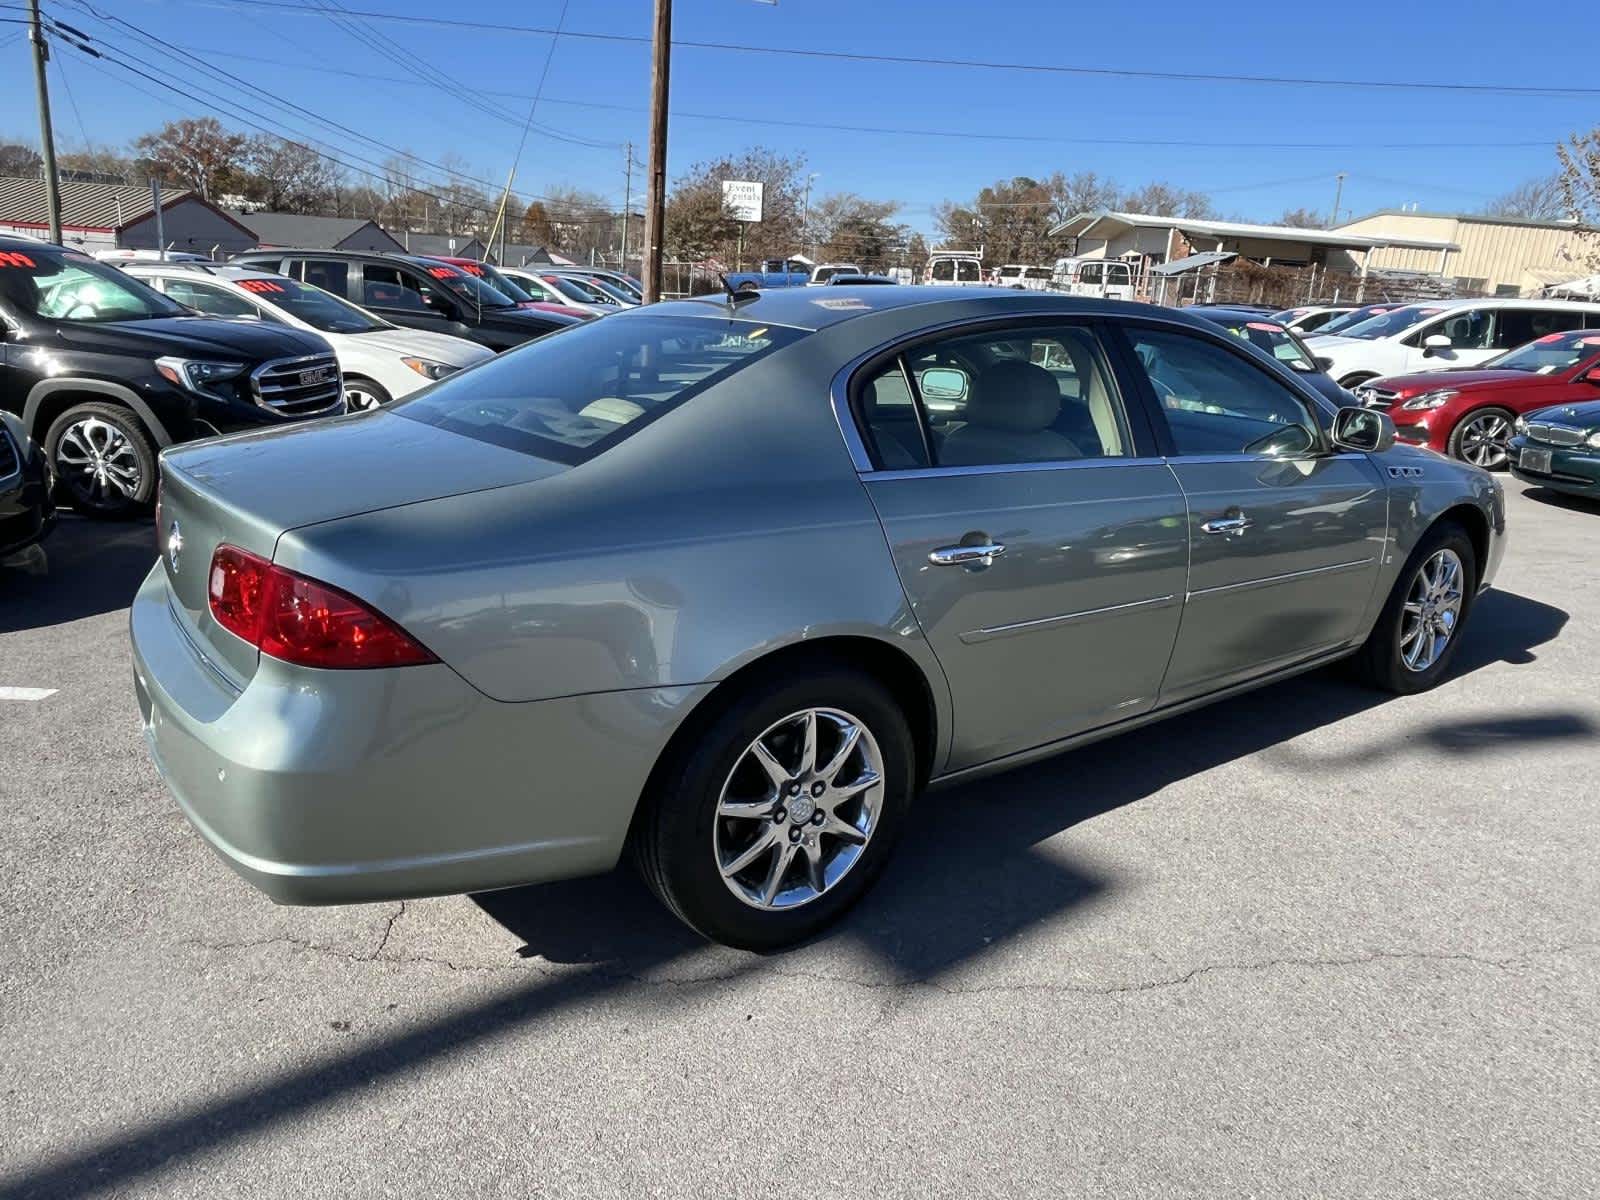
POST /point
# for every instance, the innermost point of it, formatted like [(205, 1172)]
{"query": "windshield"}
[(72, 287), (1388, 322), (1276, 341), (470, 288), (580, 290), (609, 288), (501, 282), (317, 308), (1549, 354), (571, 397)]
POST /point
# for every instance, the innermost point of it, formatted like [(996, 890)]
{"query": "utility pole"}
[(47, 140), (655, 216), (805, 215), (1338, 195), (627, 203)]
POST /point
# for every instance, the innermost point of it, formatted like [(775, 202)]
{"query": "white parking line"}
[(21, 693)]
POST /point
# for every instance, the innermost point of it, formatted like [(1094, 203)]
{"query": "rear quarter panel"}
[(731, 527)]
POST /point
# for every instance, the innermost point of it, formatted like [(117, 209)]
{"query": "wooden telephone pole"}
[(47, 139), (655, 213)]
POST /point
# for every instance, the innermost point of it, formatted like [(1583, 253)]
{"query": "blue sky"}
[(596, 92)]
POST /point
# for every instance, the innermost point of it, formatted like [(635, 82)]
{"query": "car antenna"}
[(736, 295)]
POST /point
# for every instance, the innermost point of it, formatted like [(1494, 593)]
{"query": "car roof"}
[(416, 260), (816, 308), (224, 271)]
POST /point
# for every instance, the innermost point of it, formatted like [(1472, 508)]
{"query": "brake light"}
[(301, 621)]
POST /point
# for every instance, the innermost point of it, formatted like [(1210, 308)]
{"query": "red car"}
[(512, 291), (1469, 413)]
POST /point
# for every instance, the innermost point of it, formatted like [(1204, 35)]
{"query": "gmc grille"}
[(298, 387), (1555, 435)]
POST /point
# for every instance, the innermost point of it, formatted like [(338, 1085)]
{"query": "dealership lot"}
[(1312, 940)]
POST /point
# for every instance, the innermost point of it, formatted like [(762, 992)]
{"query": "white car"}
[(1309, 318), (551, 289), (380, 362), (826, 271), (1440, 334)]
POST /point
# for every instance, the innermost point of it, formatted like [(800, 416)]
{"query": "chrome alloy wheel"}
[(1432, 610), (360, 398), (1484, 441), (798, 809), (98, 462)]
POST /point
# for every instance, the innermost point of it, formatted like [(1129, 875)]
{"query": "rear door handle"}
[(1236, 523), (983, 554)]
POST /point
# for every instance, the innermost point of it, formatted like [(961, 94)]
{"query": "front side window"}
[(1216, 402), (571, 397), (1470, 330), (213, 301), (72, 287), (996, 398)]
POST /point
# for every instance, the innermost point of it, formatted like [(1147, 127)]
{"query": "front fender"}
[(45, 388)]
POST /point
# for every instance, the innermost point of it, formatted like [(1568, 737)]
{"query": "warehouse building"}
[(116, 216), (1494, 256)]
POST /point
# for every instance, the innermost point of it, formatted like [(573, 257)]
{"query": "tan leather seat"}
[(1010, 409)]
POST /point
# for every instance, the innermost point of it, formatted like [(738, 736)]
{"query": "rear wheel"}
[(778, 813), (102, 459), (1417, 634), (1482, 438)]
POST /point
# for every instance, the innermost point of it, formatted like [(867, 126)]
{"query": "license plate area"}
[(1535, 460)]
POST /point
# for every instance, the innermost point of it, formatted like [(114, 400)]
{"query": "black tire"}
[(86, 491), (371, 387), (673, 839), (1458, 436), (1379, 660)]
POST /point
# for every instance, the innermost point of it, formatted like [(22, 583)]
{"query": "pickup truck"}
[(790, 272)]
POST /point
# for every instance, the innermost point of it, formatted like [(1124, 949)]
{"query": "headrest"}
[(1015, 396)]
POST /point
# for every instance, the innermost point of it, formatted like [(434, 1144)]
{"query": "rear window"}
[(570, 396)]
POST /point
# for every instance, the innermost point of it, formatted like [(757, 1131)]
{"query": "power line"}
[(970, 63), (952, 134)]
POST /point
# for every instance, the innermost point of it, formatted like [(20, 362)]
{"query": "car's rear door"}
[(1041, 542), (1285, 534)]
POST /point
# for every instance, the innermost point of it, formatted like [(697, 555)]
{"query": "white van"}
[(1436, 335), (1023, 277), (1106, 278), (954, 268)]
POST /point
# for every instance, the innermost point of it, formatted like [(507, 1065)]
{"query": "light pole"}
[(805, 216)]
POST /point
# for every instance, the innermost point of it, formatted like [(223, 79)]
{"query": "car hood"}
[(1585, 416), (531, 319), (1432, 381), (192, 337), (440, 347), (300, 475)]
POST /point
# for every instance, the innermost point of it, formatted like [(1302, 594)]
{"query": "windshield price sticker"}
[(1261, 325), (15, 258), (261, 285), (444, 272)]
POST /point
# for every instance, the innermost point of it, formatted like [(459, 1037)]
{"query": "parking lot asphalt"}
[(1310, 941)]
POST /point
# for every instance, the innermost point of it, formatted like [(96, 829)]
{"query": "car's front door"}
[(401, 295), (1285, 535), (1041, 542)]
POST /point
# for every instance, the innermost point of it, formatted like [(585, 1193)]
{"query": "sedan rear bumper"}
[(331, 787)]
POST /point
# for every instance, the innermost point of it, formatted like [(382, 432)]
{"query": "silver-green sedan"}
[(727, 582)]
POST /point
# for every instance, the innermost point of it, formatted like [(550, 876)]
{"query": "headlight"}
[(429, 369), (197, 375), (1593, 440), (1520, 425), (1436, 399)]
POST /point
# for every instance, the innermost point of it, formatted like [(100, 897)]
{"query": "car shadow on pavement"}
[(1566, 500), (84, 568), (971, 874)]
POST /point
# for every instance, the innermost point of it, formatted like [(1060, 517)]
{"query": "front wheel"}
[(102, 460), (779, 812), (1483, 439), (363, 395), (1417, 634)]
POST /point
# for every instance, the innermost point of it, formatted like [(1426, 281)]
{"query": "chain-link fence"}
[(1241, 281)]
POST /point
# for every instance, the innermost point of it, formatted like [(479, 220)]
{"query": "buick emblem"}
[(174, 545)]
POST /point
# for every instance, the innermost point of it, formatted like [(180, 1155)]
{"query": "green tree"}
[(698, 227)]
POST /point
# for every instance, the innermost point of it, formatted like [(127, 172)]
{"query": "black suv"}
[(420, 293), (104, 372)]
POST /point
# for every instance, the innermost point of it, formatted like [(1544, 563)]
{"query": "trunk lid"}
[(250, 489)]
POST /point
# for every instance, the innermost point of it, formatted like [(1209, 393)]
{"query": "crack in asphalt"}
[(689, 981)]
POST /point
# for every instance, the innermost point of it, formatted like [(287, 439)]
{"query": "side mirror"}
[(1435, 341), (1324, 363), (1365, 430), (943, 383)]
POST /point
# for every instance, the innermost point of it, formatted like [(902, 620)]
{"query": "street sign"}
[(742, 198)]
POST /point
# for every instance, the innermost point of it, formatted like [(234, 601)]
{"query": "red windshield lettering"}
[(474, 269), (15, 258), (444, 272), (260, 285)]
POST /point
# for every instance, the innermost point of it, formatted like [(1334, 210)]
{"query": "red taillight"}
[(300, 620)]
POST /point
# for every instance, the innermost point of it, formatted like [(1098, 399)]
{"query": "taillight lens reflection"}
[(302, 621)]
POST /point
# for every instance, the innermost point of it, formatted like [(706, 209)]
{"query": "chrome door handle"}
[(984, 553), (1234, 524)]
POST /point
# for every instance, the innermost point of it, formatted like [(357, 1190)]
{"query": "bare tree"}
[(1580, 191), (197, 153), (1537, 199), (1303, 218)]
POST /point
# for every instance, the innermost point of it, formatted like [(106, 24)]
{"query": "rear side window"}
[(215, 301), (330, 276), (573, 396), (385, 287), (1518, 326)]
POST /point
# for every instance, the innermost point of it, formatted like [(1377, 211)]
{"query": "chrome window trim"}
[(1056, 464), (996, 631), (1269, 580)]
